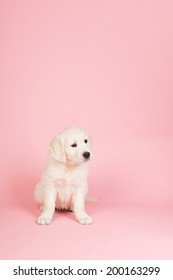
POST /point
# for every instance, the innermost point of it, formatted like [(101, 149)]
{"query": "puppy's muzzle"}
[(86, 155)]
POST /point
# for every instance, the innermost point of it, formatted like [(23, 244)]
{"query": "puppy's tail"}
[(92, 199)]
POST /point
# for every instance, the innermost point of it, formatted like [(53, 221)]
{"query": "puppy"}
[(64, 182)]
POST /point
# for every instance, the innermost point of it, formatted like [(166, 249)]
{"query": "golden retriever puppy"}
[(64, 182)]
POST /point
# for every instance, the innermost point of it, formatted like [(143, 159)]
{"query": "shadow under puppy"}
[(64, 182)]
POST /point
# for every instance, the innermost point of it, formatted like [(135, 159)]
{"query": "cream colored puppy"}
[(64, 182)]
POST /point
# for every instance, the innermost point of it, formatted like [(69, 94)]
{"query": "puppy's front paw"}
[(85, 220), (44, 219)]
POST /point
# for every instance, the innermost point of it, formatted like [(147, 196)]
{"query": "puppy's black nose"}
[(86, 155)]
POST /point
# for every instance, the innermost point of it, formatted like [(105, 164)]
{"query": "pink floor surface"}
[(118, 233)]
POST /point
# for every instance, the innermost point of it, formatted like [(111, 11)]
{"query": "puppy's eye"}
[(86, 141), (74, 145)]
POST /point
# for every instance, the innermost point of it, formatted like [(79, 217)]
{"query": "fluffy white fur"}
[(64, 182)]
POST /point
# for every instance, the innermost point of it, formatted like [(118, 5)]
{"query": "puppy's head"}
[(71, 146)]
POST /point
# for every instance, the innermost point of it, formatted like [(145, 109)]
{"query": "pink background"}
[(106, 66)]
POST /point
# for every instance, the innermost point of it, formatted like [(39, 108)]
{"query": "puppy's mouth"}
[(77, 162), (82, 160), (86, 159)]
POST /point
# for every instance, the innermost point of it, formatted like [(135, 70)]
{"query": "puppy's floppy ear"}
[(56, 149)]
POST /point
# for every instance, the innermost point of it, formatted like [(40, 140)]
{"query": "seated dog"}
[(64, 182)]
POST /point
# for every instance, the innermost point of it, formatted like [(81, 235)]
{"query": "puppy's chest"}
[(66, 188), (66, 182)]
